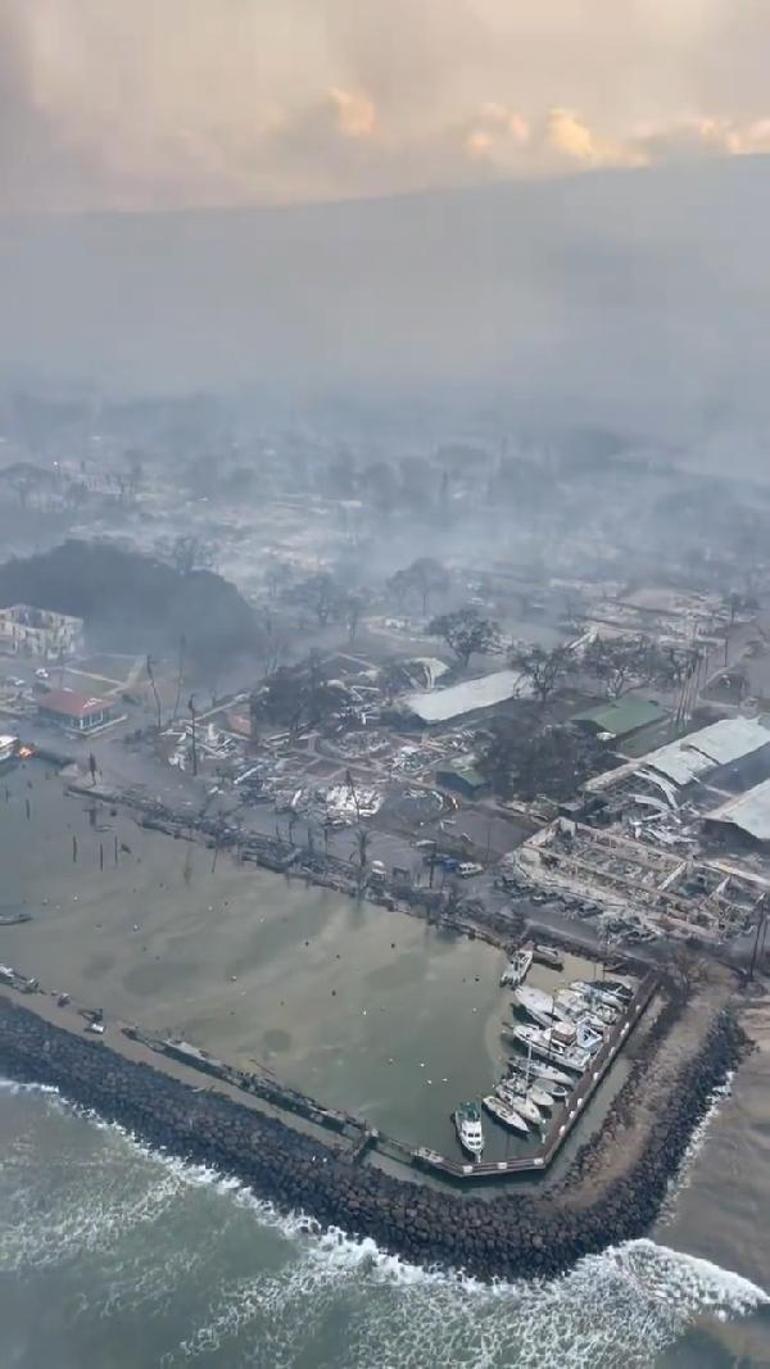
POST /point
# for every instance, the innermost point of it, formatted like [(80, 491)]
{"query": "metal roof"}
[(731, 739), (750, 812), (622, 716), (677, 762), (70, 704), (439, 705), (719, 744), (462, 769)]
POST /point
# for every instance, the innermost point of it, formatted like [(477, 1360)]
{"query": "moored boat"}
[(547, 955), (467, 1120), (622, 988), (518, 967), (543, 1010), (541, 1043), (597, 992), (519, 1099), (521, 1082), (505, 1114), (576, 1005)]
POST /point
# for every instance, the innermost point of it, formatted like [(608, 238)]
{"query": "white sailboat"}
[(596, 991), (519, 1098), (540, 1096), (505, 1114)]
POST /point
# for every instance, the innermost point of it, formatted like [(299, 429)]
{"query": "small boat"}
[(547, 955), (621, 988), (558, 1092), (597, 992), (539, 1095), (505, 1114), (550, 1077), (578, 1004), (546, 1072), (543, 1044), (520, 1101), (467, 1120), (542, 1008), (517, 968)]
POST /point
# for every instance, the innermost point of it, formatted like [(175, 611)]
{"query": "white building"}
[(444, 705), (27, 631)]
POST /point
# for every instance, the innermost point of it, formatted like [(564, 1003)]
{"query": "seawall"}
[(518, 1234)]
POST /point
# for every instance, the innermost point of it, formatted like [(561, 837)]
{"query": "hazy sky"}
[(165, 103)]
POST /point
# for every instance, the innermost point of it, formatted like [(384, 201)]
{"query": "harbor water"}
[(111, 1255), (115, 1256)]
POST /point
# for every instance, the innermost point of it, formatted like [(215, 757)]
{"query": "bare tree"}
[(466, 632), (424, 577), (544, 669), (354, 607), (191, 553), (399, 587), (392, 679), (352, 791), (321, 594)]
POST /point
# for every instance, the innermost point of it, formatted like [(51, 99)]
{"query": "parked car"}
[(41, 673), (444, 862), (468, 868)]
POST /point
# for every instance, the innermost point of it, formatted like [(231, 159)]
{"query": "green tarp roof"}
[(622, 716)]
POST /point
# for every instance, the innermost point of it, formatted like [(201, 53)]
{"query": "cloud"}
[(569, 135), (109, 104), (356, 115)]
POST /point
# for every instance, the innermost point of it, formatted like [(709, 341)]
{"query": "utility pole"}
[(761, 924), (191, 706)]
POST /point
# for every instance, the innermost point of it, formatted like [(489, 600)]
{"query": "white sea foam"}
[(13, 1089), (618, 1310), (623, 1307), (681, 1179)]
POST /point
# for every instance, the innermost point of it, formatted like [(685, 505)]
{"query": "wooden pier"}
[(564, 1117)]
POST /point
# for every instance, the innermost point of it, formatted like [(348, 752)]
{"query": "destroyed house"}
[(29, 631), (460, 700), (745, 820), (732, 754), (462, 776)]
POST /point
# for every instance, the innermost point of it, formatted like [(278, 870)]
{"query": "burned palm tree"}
[(154, 687), (362, 849)]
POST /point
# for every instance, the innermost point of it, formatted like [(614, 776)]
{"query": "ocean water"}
[(113, 1256)]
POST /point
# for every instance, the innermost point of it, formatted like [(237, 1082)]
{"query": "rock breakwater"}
[(517, 1234)]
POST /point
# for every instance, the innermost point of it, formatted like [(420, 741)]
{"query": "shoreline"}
[(521, 1234)]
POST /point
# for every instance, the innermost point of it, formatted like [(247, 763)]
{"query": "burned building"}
[(39, 632)]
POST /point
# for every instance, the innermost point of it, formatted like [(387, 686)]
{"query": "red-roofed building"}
[(76, 712)]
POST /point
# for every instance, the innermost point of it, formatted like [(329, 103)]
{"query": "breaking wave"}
[(681, 1179), (151, 1234)]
